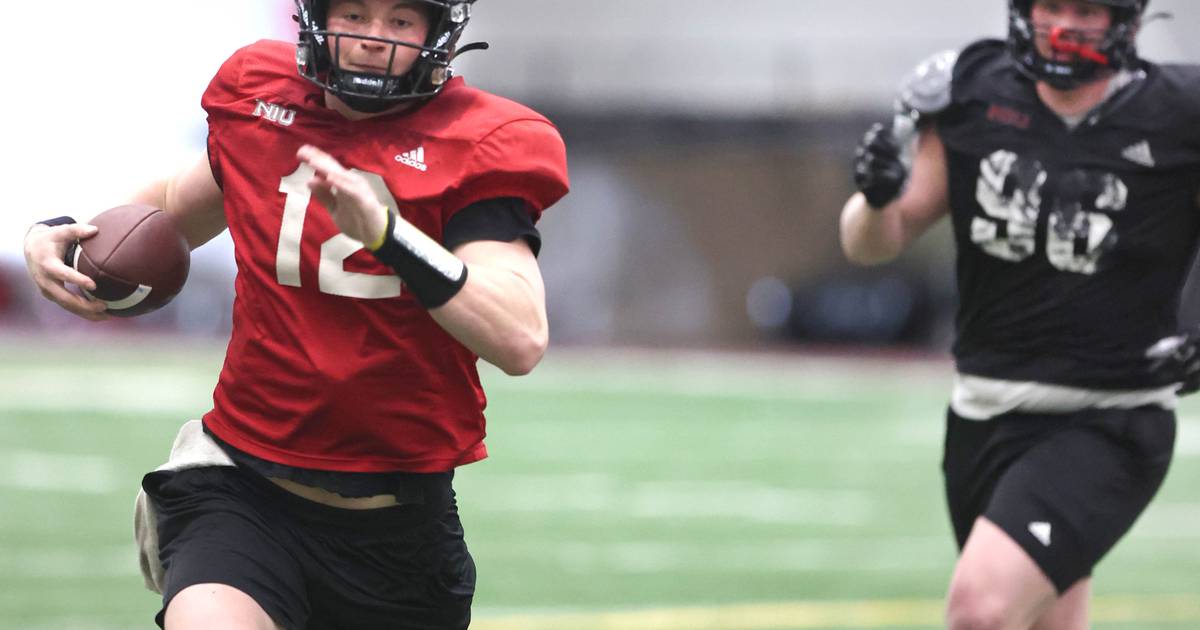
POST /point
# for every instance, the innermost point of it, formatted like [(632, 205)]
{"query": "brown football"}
[(138, 258)]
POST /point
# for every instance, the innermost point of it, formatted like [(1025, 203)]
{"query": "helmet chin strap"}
[(1059, 43), (374, 104), (469, 47), (366, 104), (351, 93)]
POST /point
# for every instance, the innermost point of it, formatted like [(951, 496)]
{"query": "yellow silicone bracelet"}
[(387, 225)]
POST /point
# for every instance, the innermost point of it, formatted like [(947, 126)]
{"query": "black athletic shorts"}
[(311, 566), (1065, 487)]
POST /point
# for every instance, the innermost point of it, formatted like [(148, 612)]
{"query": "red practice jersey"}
[(332, 363)]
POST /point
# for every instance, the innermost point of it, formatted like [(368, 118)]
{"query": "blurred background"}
[(734, 428), (709, 145)]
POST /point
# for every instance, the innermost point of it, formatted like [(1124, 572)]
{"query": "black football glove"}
[(1176, 359), (879, 171)]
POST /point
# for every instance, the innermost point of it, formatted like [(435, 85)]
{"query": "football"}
[(138, 258)]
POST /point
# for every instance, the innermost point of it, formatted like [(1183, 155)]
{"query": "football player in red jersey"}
[(383, 216), (1067, 166)]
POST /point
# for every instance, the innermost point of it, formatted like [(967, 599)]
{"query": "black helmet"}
[(1117, 51), (368, 92)]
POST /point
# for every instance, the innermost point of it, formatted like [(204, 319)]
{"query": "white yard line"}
[(182, 388), (72, 623), (902, 556), (669, 499), (702, 373), (1187, 441), (1165, 520), (866, 614), (83, 389), (91, 562), (57, 472)]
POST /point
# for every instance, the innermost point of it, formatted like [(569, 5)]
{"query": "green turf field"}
[(672, 492)]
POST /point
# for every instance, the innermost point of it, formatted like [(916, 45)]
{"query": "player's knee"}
[(973, 608)]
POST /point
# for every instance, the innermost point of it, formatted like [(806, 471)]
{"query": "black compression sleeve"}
[(503, 219)]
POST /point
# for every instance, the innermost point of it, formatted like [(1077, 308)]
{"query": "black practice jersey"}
[(1073, 243)]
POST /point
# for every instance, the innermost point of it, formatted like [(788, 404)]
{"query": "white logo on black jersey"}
[(1139, 154), (1079, 204), (414, 158), (1040, 531)]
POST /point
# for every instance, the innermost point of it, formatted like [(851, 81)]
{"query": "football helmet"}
[(1117, 49), (316, 56)]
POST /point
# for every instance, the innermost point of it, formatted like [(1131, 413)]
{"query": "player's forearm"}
[(868, 236), (500, 316), (192, 198)]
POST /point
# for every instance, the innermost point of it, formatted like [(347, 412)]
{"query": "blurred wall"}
[(749, 58), (709, 146)]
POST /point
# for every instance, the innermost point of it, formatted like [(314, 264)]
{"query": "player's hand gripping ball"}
[(138, 258)]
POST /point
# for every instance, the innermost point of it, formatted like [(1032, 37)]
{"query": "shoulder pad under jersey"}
[(926, 91)]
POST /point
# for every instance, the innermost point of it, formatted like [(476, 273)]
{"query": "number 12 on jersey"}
[(332, 277)]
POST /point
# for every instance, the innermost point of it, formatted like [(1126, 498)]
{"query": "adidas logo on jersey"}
[(1139, 154), (414, 158), (1040, 531)]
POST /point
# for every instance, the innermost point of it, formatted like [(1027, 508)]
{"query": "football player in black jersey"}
[(1070, 169)]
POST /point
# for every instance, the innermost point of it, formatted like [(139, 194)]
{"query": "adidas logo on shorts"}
[(1040, 531)]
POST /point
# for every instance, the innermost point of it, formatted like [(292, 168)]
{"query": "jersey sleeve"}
[(1183, 80), (219, 97), (975, 68), (525, 159)]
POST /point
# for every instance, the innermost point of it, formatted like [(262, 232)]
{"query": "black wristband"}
[(433, 274), (64, 220), (69, 254)]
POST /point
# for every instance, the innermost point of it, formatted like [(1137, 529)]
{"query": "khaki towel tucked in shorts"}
[(193, 449)]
